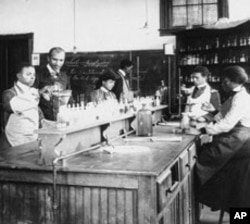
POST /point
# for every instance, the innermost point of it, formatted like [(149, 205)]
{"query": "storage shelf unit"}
[(214, 47)]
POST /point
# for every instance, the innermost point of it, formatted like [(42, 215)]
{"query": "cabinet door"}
[(192, 190), (172, 213), (168, 187), (186, 201), (192, 155), (184, 164)]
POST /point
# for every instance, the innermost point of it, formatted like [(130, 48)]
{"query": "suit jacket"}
[(44, 78), (118, 88)]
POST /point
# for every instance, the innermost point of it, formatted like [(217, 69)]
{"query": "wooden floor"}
[(211, 217)]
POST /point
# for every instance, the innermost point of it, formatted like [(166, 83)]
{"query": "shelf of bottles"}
[(211, 78), (214, 50)]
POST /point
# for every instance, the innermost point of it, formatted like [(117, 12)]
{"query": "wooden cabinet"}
[(176, 191), (215, 46), (154, 187)]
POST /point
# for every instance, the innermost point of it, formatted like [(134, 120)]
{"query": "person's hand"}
[(201, 119), (46, 92), (192, 131), (205, 138), (218, 117), (184, 89), (207, 107)]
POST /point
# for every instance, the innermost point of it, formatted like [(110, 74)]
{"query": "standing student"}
[(51, 78), (122, 89), (223, 166), (21, 111)]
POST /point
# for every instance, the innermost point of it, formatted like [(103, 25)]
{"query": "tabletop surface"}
[(156, 154)]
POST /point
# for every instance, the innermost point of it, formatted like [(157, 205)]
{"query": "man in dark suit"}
[(51, 78), (122, 88)]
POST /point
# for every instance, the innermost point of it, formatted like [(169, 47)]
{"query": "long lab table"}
[(151, 186)]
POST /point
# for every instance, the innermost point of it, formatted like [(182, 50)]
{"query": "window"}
[(180, 14)]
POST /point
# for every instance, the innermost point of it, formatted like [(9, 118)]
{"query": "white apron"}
[(126, 92), (25, 119), (193, 107)]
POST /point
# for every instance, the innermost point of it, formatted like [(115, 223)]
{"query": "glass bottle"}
[(144, 122)]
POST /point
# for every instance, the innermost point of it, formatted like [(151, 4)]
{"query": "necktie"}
[(197, 92), (55, 75)]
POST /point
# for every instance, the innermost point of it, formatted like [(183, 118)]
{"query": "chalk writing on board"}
[(88, 63)]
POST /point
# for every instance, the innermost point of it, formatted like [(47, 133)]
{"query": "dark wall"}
[(85, 69)]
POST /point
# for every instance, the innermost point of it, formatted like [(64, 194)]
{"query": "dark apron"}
[(223, 169), (213, 156)]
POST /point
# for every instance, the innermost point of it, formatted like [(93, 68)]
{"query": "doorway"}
[(13, 50)]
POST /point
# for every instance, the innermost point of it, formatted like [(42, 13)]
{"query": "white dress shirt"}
[(235, 111)]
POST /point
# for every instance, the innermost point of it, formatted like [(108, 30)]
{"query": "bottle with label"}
[(144, 122)]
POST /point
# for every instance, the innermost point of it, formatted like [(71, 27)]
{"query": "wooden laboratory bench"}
[(151, 186), (61, 140)]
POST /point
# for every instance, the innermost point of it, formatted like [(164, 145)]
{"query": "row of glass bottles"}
[(210, 59), (79, 115), (211, 78), (235, 58), (215, 42), (197, 59), (199, 44)]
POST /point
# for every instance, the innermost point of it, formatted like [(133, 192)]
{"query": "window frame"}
[(166, 15)]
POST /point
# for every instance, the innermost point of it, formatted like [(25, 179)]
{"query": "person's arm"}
[(6, 98), (231, 118), (215, 99), (187, 90)]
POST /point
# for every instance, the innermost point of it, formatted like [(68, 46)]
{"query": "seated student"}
[(104, 89), (21, 111), (223, 166), (199, 94)]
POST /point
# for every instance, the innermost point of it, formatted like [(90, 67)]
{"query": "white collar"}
[(51, 70), (238, 88), (104, 89), (202, 85), (24, 88), (122, 72)]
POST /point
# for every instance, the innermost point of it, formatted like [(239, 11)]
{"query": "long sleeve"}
[(6, 97), (238, 112)]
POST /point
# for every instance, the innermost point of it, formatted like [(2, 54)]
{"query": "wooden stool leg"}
[(221, 216)]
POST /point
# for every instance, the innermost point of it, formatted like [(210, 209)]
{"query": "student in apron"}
[(21, 110), (201, 93)]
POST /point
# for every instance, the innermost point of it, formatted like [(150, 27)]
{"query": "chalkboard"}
[(85, 69)]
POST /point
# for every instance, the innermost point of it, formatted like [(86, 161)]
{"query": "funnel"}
[(63, 96)]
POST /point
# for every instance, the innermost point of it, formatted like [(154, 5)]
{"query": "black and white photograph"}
[(124, 111)]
